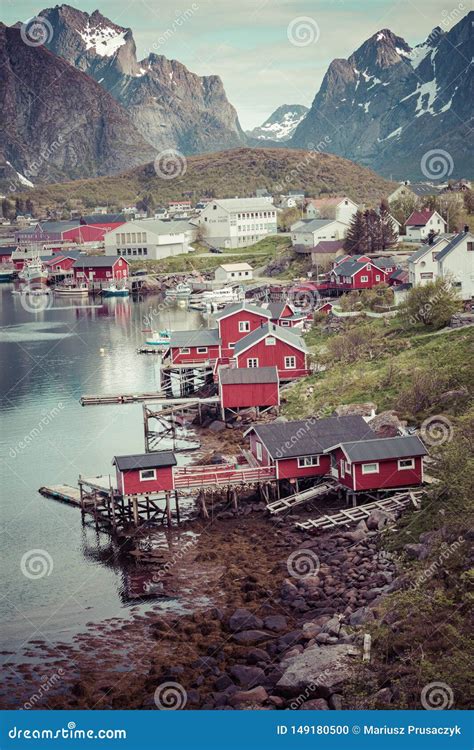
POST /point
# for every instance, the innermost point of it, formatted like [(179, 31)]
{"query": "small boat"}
[(160, 339), (33, 272), (72, 291), (181, 291), (115, 291), (7, 274), (213, 298)]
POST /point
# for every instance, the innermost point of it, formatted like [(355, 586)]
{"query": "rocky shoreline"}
[(278, 625)]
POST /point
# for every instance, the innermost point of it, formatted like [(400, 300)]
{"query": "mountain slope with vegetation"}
[(225, 174)]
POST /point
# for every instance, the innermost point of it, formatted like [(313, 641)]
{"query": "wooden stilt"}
[(136, 517), (168, 508), (176, 502)]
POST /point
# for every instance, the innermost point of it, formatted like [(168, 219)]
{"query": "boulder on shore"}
[(324, 669)]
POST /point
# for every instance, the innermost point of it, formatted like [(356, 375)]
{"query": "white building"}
[(237, 222), (232, 272), (417, 191), (340, 208), (456, 263), (423, 265), (150, 238), (310, 232), (420, 223)]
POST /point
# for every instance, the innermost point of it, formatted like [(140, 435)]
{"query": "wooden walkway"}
[(62, 492), (301, 497), (220, 475), (398, 501)]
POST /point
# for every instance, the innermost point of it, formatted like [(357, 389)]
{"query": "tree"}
[(403, 207), (8, 209), (431, 305), (468, 199), (388, 235), (287, 217), (356, 241), (451, 209)]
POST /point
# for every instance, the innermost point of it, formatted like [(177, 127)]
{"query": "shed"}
[(244, 387), (145, 473)]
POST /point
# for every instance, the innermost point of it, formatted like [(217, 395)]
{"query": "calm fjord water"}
[(48, 360)]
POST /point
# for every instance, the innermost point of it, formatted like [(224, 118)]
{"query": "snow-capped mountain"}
[(389, 105), (281, 125), (170, 106)]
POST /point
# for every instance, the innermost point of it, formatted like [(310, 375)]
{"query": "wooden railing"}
[(201, 476)]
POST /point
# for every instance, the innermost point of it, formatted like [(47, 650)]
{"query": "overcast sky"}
[(267, 52)]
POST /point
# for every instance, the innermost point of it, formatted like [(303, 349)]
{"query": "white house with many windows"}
[(237, 222), (149, 238)]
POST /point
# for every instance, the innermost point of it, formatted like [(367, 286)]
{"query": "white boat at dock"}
[(160, 339), (33, 272), (213, 299), (180, 291), (72, 291)]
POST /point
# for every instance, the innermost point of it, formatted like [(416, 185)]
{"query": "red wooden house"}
[(145, 473), (356, 274), (236, 321), (378, 463), (243, 387), (197, 346), (6, 253), (99, 270), (284, 314), (297, 448), (324, 309), (60, 265), (272, 345)]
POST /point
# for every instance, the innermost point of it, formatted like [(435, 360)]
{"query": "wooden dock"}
[(119, 398), (62, 492)]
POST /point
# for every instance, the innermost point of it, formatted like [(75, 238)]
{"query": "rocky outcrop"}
[(57, 122), (388, 104), (324, 668), (170, 106)]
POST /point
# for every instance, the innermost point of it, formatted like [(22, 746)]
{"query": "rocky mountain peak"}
[(383, 50)]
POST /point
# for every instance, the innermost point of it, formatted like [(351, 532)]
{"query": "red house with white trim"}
[(237, 321), (272, 345), (378, 463), (100, 269), (284, 314), (356, 274), (199, 346), (297, 448), (145, 473), (244, 387)]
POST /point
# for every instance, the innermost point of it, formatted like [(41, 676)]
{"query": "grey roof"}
[(419, 253), (95, 261), (276, 308), (349, 267), (244, 375), (284, 334), (231, 309), (454, 242), (385, 262), (311, 436), (50, 227), (313, 225), (145, 460), (102, 218), (380, 449), (199, 337), (7, 249), (420, 189)]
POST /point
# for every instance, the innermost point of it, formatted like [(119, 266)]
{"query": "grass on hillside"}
[(402, 364), (257, 255)]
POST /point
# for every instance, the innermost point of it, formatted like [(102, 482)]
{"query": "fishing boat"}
[(160, 339), (216, 298), (33, 272), (115, 291), (179, 292), (72, 291)]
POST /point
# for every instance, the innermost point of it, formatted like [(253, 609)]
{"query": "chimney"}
[(466, 228)]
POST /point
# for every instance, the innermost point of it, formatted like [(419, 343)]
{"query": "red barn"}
[(325, 308), (378, 463), (297, 448), (357, 274), (197, 346), (243, 387), (99, 270), (104, 222), (272, 345), (236, 321), (60, 264), (145, 473), (284, 314)]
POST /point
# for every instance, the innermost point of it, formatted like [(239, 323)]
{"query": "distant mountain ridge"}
[(389, 104), (170, 106), (281, 124)]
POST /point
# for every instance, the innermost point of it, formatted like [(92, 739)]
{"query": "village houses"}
[(420, 223), (237, 222), (150, 238)]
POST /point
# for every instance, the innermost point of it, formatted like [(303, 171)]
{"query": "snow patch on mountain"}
[(103, 40), (281, 125)]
